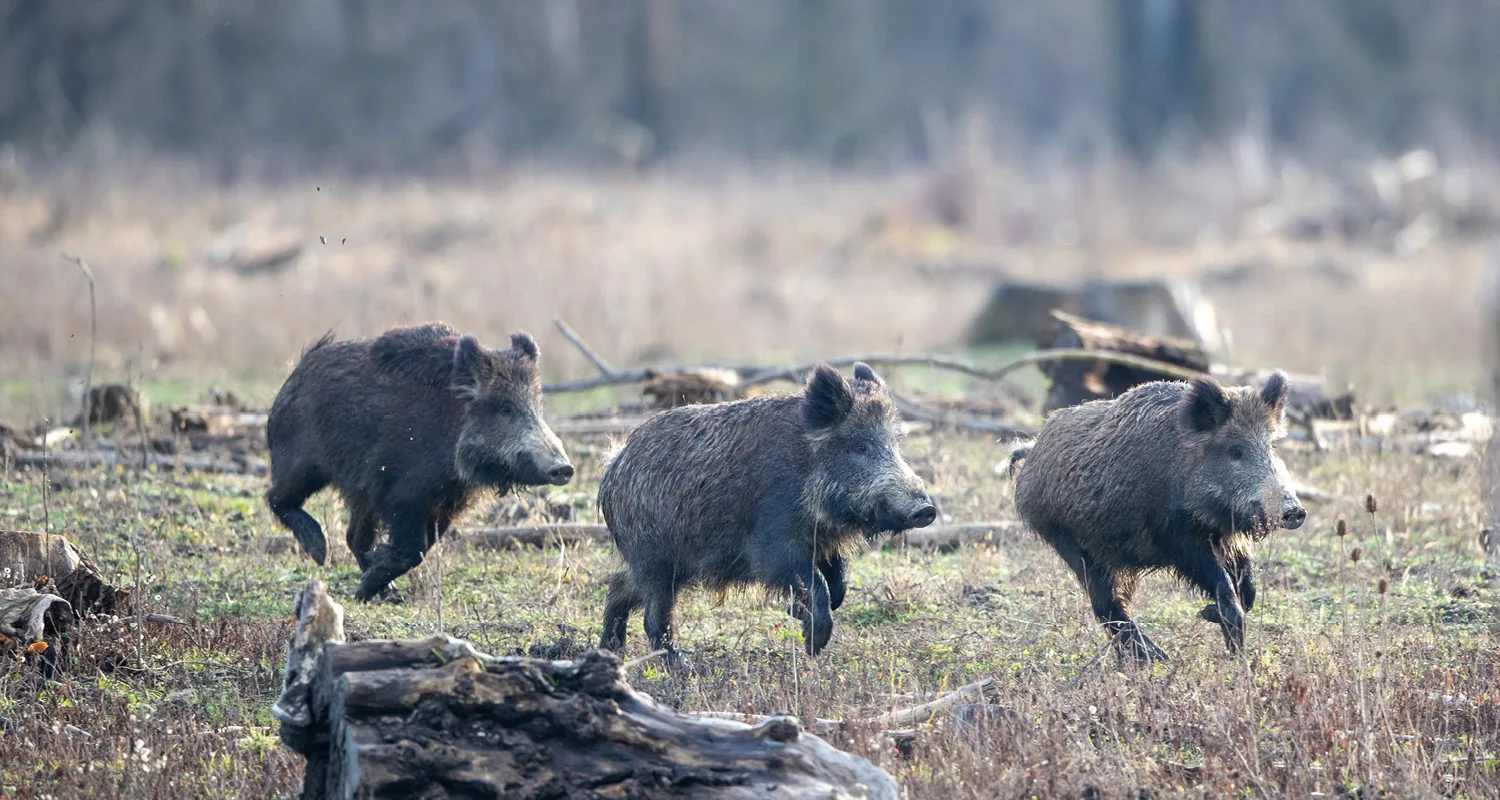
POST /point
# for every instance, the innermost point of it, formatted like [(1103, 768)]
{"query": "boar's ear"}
[(522, 343), (862, 372), (1273, 394), (827, 399), (468, 362), (1205, 406)]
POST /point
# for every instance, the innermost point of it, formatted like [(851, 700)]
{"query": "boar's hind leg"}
[(833, 573), (361, 536), (290, 488), (1205, 572), (660, 602), (1109, 595), (622, 602), (407, 526)]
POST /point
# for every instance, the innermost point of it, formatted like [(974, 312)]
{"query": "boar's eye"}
[(1236, 452), (864, 448), (505, 407)]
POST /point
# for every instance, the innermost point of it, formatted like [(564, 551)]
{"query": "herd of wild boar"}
[(775, 490)]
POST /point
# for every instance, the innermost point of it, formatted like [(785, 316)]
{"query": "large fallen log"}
[(435, 718), (1077, 381)]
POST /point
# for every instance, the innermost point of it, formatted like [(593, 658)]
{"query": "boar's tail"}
[(1017, 456)]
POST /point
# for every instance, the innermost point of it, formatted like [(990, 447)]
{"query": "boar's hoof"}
[(1133, 645), (676, 662), (316, 548), (1233, 639)]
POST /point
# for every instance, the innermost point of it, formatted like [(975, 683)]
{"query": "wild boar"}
[(408, 427), (772, 491), (1168, 475)]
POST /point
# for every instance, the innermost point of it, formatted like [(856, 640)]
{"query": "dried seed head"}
[(1354, 555), (1383, 586), (1342, 529), (1370, 504)]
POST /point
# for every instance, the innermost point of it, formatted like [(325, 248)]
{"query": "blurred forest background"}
[(644, 166), (390, 85)]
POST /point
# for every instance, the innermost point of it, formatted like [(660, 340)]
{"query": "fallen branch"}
[(588, 352), (920, 413), (907, 718), (942, 538), (247, 465), (756, 375)]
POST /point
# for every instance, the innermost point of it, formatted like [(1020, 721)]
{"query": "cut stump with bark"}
[(434, 718), (28, 557)]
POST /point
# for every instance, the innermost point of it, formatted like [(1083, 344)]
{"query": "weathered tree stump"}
[(29, 556), (1077, 381), (434, 718)]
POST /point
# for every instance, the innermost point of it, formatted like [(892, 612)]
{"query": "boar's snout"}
[(1292, 513), (921, 513), (560, 474)]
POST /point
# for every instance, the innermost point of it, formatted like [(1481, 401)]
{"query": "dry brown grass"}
[(732, 264)]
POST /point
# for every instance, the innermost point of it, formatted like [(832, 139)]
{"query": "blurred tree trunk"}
[(1163, 82), (651, 43)]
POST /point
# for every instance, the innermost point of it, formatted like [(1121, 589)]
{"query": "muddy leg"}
[(622, 602)]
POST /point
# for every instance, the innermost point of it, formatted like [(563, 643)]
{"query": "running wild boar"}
[(775, 491), (1169, 475), (408, 427)]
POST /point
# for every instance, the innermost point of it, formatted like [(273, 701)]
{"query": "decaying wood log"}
[(34, 621), (697, 385), (1077, 381), (435, 718), (220, 420), (28, 556)]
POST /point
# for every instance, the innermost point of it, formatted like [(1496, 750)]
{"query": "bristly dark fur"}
[(1178, 476), (765, 491), (407, 426)]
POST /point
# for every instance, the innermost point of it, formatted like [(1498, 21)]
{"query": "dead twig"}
[(88, 375), (912, 410), (588, 352)]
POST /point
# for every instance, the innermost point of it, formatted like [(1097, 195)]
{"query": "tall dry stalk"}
[(88, 375)]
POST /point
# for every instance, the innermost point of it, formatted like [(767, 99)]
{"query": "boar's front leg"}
[(1205, 572), (808, 591), (408, 524), (833, 573), (1241, 572)]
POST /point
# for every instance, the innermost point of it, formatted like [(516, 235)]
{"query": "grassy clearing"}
[(1342, 687)]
